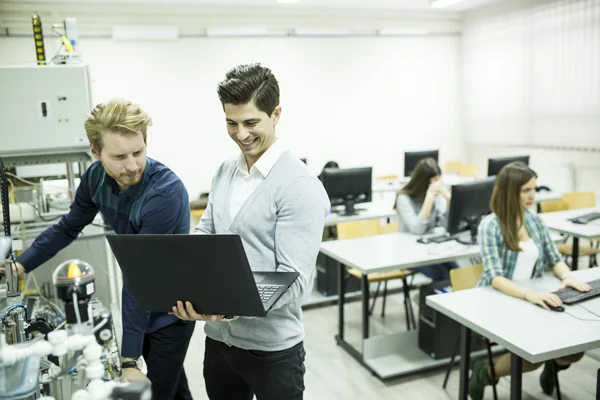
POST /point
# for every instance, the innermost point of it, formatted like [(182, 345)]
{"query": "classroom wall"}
[(531, 73), (357, 100)]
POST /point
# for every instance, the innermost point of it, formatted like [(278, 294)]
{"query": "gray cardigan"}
[(410, 218), (281, 226)]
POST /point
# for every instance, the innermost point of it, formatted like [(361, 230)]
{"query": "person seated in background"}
[(422, 205), (328, 164), (516, 245)]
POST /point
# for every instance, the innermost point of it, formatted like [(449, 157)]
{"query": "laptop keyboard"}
[(267, 291), (572, 296)]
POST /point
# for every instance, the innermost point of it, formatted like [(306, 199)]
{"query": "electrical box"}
[(43, 109)]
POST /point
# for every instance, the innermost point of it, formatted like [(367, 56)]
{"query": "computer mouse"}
[(553, 308)]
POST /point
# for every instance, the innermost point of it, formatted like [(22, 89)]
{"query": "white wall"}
[(532, 86), (532, 73), (356, 100)]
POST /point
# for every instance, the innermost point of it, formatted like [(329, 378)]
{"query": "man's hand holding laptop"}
[(188, 313)]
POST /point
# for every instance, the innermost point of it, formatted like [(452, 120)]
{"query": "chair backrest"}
[(386, 177), (356, 229), (392, 227), (452, 167), (553, 205), (575, 200), (466, 277), (468, 170)]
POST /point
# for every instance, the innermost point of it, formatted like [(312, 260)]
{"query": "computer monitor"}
[(496, 164), (469, 203), (411, 158), (348, 186)]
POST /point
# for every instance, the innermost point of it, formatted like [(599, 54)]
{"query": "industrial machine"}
[(58, 340)]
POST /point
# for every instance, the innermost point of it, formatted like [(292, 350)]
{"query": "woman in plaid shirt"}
[(516, 245)]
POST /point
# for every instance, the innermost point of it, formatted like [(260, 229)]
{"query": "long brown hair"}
[(425, 169), (506, 200)]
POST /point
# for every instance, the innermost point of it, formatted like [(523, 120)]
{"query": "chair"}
[(387, 178), (462, 279), (452, 167), (573, 201), (468, 170), (195, 217), (355, 229)]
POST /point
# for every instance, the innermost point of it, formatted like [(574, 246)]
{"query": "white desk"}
[(374, 210), (559, 221), (397, 354), (524, 329)]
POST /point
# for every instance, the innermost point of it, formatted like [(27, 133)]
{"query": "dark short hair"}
[(250, 82)]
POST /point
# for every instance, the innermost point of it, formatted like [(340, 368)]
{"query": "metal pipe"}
[(71, 180)]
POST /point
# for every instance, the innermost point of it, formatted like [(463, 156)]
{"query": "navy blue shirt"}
[(159, 204)]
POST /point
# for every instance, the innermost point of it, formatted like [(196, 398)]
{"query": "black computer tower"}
[(438, 334), (327, 277)]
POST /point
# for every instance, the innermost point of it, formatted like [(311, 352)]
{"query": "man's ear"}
[(95, 153), (276, 114)]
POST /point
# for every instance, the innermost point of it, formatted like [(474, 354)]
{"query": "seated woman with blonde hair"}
[(516, 245)]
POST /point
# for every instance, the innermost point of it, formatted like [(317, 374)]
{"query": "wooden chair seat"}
[(566, 249), (382, 276)]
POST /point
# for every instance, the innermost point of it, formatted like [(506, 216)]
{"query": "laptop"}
[(210, 271)]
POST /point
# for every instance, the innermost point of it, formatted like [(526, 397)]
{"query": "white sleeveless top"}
[(526, 260)]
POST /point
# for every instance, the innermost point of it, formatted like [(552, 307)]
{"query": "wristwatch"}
[(137, 364)]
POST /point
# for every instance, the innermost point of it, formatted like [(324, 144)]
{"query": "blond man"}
[(136, 195)]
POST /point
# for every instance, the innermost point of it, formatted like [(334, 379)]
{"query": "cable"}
[(582, 319), (588, 310), (9, 309), (100, 325), (76, 307)]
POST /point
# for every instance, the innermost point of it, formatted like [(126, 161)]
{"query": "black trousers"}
[(231, 373), (164, 352)]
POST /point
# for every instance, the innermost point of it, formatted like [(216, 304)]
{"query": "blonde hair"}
[(120, 116)]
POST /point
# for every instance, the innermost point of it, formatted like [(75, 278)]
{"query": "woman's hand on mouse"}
[(543, 299)]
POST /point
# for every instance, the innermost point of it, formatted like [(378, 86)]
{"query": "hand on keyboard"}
[(572, 283)]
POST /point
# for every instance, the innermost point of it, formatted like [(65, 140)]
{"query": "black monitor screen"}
[(411, 158), (348, 186), (496, 164), (469, 202)]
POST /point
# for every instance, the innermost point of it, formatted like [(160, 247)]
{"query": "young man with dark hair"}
[(271, 200)]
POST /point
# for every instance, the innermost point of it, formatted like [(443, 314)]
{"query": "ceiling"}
[(379, 5), (193, 17)]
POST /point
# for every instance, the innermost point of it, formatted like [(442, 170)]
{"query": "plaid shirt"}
[(498, 260)]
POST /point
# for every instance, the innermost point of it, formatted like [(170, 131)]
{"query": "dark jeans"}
[(231, 373), (164, 352), (438, 272)]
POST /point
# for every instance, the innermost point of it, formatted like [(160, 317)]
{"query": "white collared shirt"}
[(245, 182)]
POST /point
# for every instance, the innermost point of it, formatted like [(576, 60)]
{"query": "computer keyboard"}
[(572, 296), (267, 291), (584, 219)]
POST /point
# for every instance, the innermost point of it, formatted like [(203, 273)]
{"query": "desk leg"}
[(365, 306), (516, 374), (575, 257), (465, 362), (341, 293)]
